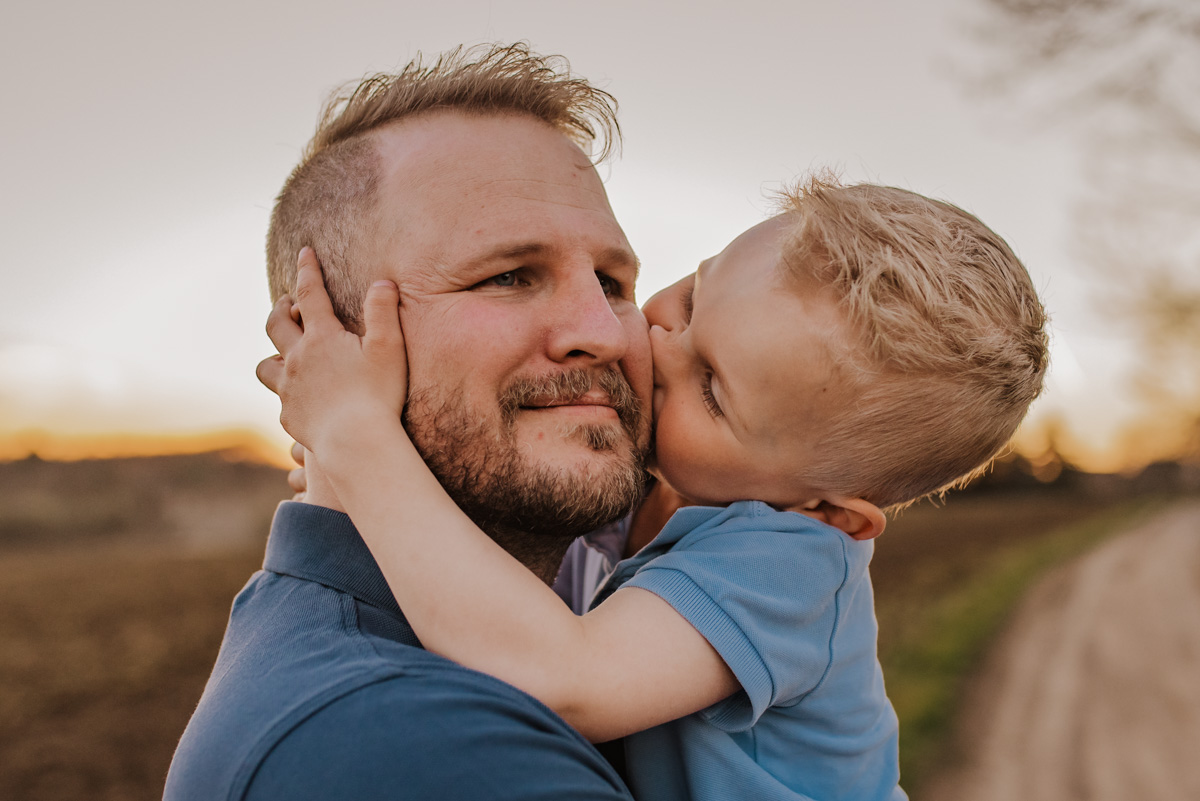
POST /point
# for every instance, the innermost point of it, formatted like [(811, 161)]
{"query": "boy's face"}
[(745, 378)]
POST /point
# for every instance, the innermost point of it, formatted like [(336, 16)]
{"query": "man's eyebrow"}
[(481, 263), (512, 252), (620, 257), (609, 256)]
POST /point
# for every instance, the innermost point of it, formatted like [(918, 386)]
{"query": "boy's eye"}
[(710, 400)]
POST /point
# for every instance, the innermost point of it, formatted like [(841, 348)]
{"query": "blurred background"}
[(144, 144)]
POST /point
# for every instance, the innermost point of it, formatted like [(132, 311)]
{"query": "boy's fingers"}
[(298, 453), (270, 372), (311, 296), (381, 313), (281, 328), (297, 483)]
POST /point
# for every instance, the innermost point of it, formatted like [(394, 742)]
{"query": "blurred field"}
[(116, 579), (201, 502), (105, 653)]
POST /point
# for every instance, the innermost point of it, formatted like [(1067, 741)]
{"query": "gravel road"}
[(1093, 692)]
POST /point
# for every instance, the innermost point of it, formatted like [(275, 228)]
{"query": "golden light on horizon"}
[(1123, 451), (235, 444)]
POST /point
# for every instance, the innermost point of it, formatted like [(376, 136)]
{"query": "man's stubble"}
[(533, 511)]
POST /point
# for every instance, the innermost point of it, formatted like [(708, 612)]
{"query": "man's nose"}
[(584, 326)]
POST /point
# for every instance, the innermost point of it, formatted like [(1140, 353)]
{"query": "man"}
[(465, 184)]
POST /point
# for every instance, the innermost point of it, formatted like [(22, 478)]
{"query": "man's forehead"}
[(489, 147), (465, 166), (459, 190)]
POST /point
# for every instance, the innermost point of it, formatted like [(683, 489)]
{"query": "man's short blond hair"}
[(329, 200), (949, 348)]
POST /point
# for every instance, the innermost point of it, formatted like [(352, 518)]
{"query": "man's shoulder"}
[(292, 647), (310, 698), (439, 731)]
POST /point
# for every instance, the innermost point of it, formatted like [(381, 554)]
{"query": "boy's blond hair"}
[(328, 202), (950, 335)]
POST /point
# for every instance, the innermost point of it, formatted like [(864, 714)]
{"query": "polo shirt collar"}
[(322, 545)]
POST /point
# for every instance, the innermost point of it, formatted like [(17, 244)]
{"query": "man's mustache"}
[(570, 386)]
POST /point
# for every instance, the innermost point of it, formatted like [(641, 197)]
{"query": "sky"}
[(144, 143)]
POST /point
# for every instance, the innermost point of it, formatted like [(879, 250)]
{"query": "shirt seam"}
[(725, 617), (331, 582), (837, 621)]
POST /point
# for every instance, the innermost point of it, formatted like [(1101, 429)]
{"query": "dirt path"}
[(1093, 693)]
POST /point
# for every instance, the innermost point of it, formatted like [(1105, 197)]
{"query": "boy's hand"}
[(331, 380), (297, 479)]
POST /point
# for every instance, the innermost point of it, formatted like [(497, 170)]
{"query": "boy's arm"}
[(631, 664)]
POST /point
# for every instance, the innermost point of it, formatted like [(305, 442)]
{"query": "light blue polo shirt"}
[(787, 603), (322, 691)]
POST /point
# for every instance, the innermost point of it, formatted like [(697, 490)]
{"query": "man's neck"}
[(542, 555)]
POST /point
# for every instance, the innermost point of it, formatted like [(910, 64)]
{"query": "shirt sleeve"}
[(762, 587), (446, 740)]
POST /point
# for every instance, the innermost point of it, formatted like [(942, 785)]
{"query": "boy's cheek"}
[(637, 365)]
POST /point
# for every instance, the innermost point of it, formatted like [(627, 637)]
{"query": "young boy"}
[(862, 349)]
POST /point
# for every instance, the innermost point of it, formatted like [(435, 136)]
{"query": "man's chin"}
[(576, 447), (532, 482)]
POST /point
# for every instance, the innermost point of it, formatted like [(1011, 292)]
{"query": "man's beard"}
[(533, 511)]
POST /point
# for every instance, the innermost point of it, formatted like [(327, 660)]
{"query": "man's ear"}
[(861, 520)]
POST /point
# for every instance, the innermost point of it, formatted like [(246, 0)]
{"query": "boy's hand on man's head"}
[(332, 381)]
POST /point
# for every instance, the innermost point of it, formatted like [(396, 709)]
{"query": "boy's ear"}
[(861, 520)]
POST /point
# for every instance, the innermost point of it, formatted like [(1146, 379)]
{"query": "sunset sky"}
[(144, 143)]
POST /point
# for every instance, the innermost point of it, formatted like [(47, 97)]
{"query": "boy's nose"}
[(664, 347), (652, 309), (663, 308)]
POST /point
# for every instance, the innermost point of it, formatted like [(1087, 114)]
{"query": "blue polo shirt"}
[(322, 691)]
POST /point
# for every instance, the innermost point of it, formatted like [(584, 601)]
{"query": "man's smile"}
[(578, 394), (548, 401), (592, 404)]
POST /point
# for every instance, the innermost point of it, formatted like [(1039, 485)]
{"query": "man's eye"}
[(503, 279), (610, 285)]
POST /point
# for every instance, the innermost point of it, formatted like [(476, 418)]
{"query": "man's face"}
[(529, 362)]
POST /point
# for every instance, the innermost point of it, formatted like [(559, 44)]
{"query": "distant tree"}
[(1124, 76)]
